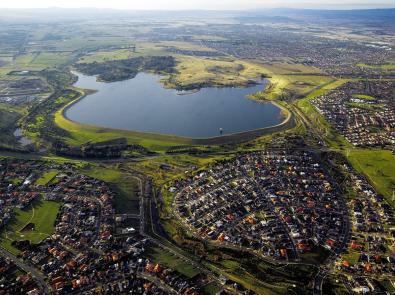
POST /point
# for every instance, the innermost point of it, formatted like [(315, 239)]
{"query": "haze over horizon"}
[(200, 4)]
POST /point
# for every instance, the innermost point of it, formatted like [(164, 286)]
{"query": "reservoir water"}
[(143, 104)]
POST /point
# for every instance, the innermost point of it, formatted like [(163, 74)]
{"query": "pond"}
[(143, 104)]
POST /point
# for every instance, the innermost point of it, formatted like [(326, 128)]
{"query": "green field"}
[(41, 213), (36, 61), (91, 43), (142, 49), (233, 271), (352, 257), (46, 177), (379, 166), (364, 106), (364, 97), (124, 185), (387, 66), (283, 68), (167, 259)]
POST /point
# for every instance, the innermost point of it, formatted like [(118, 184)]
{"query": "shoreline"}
[(286, 123)]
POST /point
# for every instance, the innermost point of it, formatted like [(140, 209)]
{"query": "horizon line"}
[(200, 9)]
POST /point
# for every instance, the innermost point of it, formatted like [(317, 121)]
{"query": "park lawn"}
[(46, 177), (167, 259), (41, 213), (378, 165)]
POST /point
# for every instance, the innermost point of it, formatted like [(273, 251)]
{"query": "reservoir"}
[(143, 104)]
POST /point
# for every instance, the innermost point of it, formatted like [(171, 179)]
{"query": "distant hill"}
[(376, 17)]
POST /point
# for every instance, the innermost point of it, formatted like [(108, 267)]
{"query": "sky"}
[(198, 4)]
